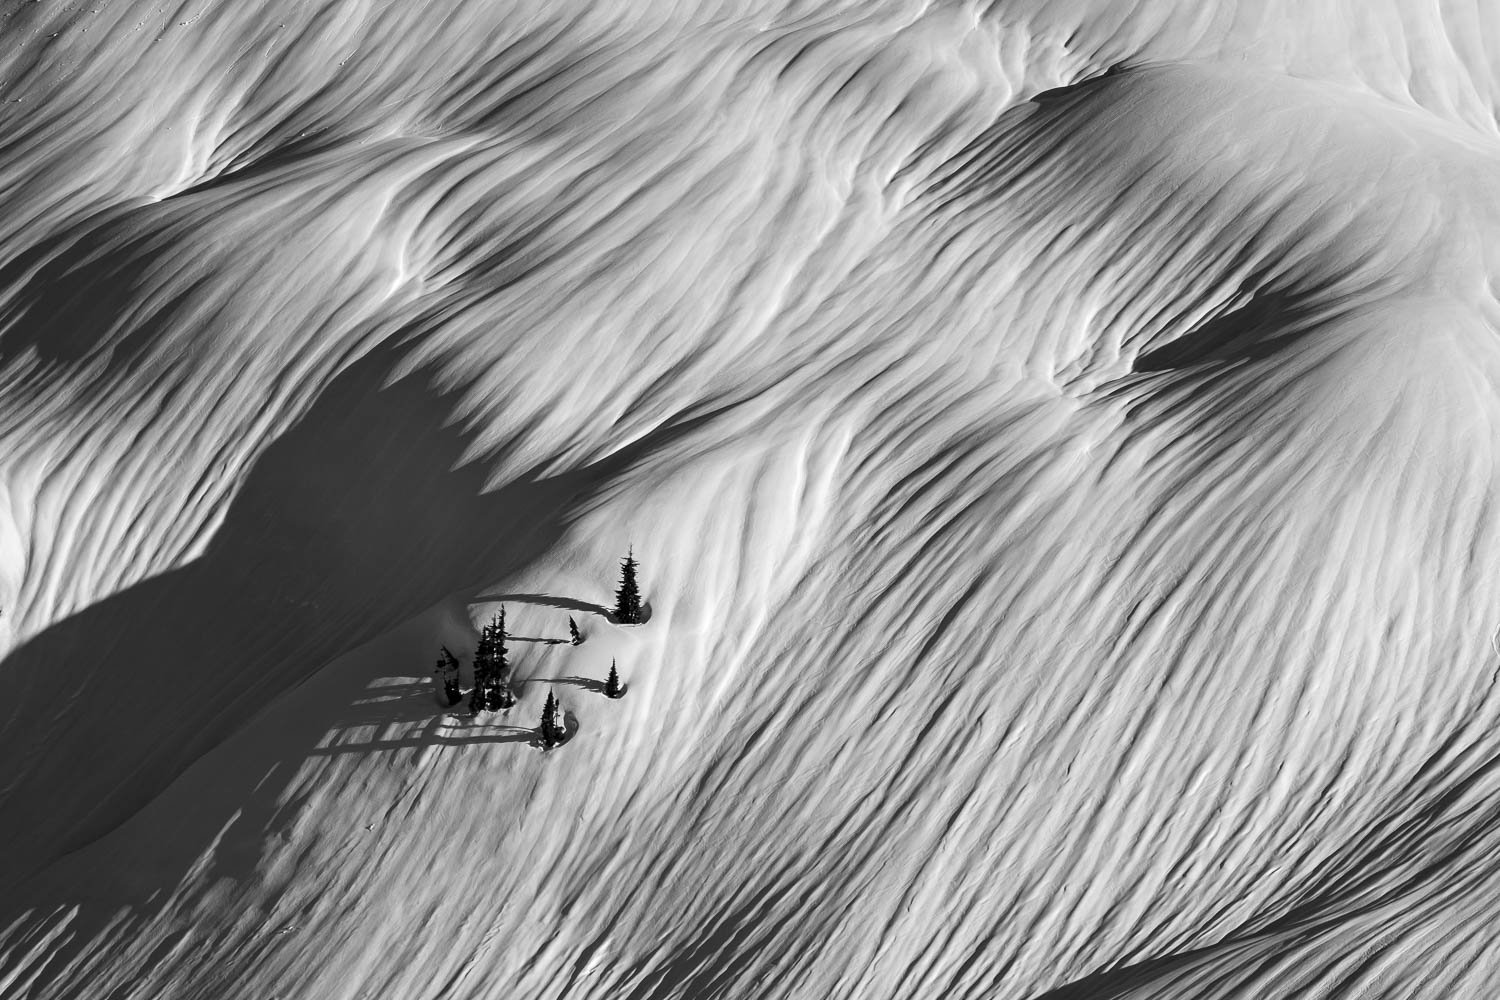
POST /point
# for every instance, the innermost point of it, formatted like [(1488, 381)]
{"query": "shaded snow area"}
[(1058, 440)]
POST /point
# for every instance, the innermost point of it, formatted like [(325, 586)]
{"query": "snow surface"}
[(1058, 437)]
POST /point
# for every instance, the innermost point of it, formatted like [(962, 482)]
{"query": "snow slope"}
[(1058, 438)]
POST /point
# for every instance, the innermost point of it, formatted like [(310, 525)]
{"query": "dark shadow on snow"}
[(413, 703), (303, 568), (590, 684), (502, 734), (551, 601), (587, 683), (565, 604), (1267, 324)]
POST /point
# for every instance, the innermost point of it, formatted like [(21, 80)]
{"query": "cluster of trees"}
[(492, 680), (491, 670)]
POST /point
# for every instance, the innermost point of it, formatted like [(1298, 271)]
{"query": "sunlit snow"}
[(1058, 437)]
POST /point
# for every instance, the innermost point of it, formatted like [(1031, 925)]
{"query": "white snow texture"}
[(1058, 437)]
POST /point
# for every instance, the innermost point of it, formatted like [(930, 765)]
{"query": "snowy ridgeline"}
[(1058, 439)]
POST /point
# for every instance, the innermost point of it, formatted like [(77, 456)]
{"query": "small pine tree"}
[(612, 687), (447, 669), (573, 632), (551, 731), (628, 597)]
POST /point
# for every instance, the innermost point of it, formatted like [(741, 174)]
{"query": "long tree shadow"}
[(423, 722), (492, 735), (587, 683), (365, 513), (554, 601), (567, 604)]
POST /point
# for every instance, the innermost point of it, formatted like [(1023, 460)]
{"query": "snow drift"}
[(1058, 439)]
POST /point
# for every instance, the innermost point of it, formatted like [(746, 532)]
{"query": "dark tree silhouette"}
[(552, 731), (500, 696), (491, 669), (447, 669), (612, 687), (628, 597), (484, 655), (573, 633)]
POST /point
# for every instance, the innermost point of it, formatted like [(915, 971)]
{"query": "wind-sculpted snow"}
[(1058, 439)]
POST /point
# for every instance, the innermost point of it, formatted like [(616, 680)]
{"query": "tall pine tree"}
[(501, 696), (612, 687), (479, 698), (628, 597), (552, 730), (573, 633), (489, 662)]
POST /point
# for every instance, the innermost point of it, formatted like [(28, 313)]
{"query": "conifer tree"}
[(551, 732), (438, 672), (479, 697), (447, 669), (573, 633), (485, 647), (484, 664), (612, 687), (628, 597), (501, 696)]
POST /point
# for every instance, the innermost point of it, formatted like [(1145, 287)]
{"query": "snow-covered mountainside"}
[(1058, 437)]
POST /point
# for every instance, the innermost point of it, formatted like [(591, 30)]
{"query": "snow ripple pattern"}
[(1059, 439)]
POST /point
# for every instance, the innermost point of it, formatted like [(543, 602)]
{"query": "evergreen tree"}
[(484, 664), (628, 597), (438, 672), (573, 633), (552, 732), (612, 687), (447, 669), (485, 648), (479, 697), (501, 696)]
